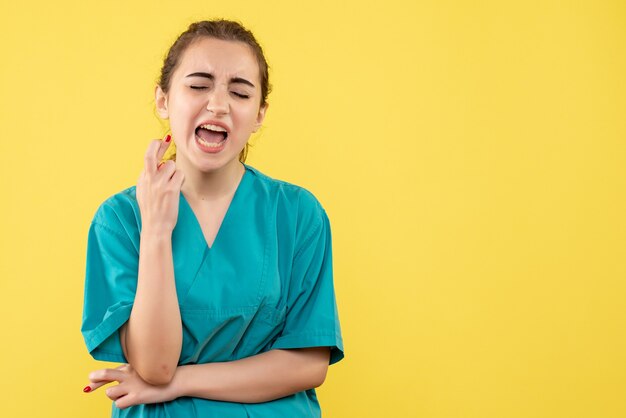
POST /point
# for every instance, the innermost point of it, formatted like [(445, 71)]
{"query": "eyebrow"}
[(237, 80)]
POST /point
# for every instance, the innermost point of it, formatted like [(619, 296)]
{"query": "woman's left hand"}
[(132, 389)]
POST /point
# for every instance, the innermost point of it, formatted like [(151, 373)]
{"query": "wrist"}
[(156, 232), (177, 385)]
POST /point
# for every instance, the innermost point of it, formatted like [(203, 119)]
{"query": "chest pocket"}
[(228, 334), (264, 328)]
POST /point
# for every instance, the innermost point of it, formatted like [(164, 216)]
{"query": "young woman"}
[(209, 280)]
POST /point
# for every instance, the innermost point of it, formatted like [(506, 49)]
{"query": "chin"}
[(208, 166)]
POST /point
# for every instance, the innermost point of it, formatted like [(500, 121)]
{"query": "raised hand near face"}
[(158, 188)]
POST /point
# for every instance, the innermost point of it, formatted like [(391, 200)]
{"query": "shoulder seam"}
[(282, 182), (124, 237), (309, 237)]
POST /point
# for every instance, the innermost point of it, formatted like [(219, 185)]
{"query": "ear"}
[(260, 117), (161, 102)]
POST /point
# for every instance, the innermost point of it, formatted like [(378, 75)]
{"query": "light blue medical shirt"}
[(266, 283)]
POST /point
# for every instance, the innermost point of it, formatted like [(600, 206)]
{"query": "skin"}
[(191, 100), (152, 337)]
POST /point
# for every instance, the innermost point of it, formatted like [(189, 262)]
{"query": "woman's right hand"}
[(158, 189)]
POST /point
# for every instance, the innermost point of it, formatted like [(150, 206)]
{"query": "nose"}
[(218, 102)]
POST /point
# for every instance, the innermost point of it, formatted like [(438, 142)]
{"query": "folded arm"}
[(259, 378)]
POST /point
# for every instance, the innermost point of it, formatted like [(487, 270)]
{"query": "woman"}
[(211, 281)]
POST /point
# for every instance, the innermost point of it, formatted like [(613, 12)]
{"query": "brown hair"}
[(226, 30)]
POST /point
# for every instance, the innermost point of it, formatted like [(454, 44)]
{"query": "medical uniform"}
[(265, 283)]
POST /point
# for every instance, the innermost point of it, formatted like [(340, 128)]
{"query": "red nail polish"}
[(168, 137), (87, 389)]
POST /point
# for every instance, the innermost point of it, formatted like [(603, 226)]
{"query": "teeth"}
[(213, 128), (209, 144)]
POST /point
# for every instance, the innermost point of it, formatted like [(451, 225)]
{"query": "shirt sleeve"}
[(110, 287), (312, 319)]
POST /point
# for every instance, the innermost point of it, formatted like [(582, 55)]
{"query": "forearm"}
[(260, 378), (153, 335)]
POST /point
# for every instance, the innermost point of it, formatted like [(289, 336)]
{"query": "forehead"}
[(223, 59)]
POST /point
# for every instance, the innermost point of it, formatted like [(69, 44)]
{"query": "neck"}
[(210, 185)]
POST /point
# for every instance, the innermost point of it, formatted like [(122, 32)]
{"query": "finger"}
[(93, 386), (150, 156), (126, 401), (107, 375), (160, 152), (166, 166), (115, 392), (163, 146), (141, 176), (168, 169), (178, 178)]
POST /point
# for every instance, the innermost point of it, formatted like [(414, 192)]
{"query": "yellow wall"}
[(471, 157)]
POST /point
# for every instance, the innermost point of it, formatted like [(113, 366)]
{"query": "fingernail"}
[(168, 137), (87, 389)]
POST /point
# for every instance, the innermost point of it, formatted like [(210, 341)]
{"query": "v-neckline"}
[(233, 201)]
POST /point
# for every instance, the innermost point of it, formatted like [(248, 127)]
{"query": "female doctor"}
[(211, 281)]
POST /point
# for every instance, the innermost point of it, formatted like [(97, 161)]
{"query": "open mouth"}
[(211, 135)]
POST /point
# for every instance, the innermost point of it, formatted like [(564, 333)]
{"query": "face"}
[(216, 82)]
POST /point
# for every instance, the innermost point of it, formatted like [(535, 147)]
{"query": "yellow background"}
[(471, 157)]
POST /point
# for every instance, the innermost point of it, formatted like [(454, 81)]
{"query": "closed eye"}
[(243, 96)]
